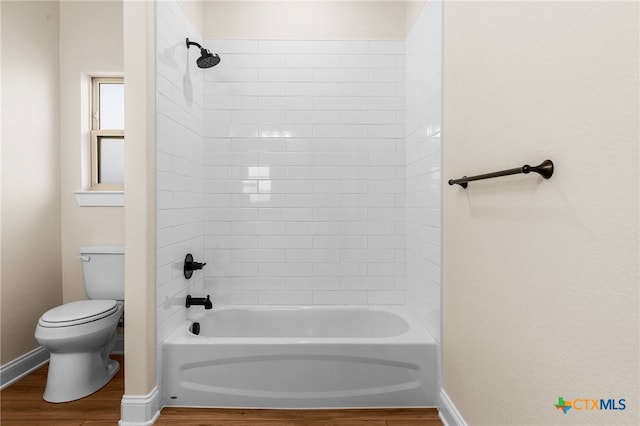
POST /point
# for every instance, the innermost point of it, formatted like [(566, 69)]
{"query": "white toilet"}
[(81, 335)]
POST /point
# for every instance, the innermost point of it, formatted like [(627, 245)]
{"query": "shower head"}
[(206, 59)]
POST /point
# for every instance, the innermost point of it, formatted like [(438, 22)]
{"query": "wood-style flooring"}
[(171, 416), (21, 404)]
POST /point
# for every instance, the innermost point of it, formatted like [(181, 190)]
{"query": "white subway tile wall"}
[(422, 167), (179, 164), (304, 172)]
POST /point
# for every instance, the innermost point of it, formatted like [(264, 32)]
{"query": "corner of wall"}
[(140, 410), (448, 412), (140, 254), (413, 9), (30, 215), (194, 10), (180, 152)]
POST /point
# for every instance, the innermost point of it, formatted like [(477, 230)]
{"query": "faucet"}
[(193, 301)]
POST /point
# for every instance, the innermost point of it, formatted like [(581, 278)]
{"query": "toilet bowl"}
[(81, 335)]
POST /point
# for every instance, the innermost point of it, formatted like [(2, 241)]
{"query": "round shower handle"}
[(190, 266)]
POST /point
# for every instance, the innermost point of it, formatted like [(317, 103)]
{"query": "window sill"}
[(100, 198)]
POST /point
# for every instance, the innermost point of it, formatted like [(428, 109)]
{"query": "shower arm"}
[(192, 43)]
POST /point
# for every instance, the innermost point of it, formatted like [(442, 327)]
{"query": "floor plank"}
[(21, 404), (171, 416)]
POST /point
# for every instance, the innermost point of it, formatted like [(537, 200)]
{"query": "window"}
[(107, 133)]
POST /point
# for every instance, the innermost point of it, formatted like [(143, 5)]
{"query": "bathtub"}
[(300, 357)]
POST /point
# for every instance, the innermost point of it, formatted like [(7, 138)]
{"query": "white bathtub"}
[(301, 357)]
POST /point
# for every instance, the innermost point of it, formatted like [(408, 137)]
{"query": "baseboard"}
[(449, 414), (21, 366), (140, 410)]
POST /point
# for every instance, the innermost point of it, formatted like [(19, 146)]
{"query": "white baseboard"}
[(21, 366), (15, 370), (140, 410), (449, 414)]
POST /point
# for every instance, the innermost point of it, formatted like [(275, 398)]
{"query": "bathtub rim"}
[(416, 333)]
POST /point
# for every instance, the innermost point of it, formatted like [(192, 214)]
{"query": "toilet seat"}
[(76, 313)]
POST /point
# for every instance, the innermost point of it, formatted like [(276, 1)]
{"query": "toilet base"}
[(73, 376)]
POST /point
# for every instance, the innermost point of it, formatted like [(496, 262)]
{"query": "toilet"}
[(80, 335)]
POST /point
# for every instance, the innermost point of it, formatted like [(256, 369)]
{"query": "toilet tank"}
[(103, 271)]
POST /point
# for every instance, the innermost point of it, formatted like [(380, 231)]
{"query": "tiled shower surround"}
[(422, 172), (304, 172), (179, 166)]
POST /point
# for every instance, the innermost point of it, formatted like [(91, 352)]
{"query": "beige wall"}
[(140, 294), (413, 8), (1, 168), (305, 20), (31, 273), (43, 226), (194, 9), (88, 46), (540, 278)]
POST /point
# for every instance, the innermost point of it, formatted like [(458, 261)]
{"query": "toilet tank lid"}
[(104, 248)]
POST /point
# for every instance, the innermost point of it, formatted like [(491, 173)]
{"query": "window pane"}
[(110, 160), (111, 106)]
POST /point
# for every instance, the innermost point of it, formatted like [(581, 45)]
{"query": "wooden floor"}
[(371, 417), (21, 404)]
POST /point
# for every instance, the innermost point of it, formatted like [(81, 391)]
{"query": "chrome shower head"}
[(206, 59)]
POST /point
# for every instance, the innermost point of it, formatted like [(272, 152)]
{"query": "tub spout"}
[(199, 301)]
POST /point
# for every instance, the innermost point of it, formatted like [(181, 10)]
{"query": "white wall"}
[(88, 46), (180, 180), (422, 166), (541, 277), (31, 273), (304, 155)]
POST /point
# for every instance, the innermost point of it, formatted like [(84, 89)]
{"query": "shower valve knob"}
[(190, 266)]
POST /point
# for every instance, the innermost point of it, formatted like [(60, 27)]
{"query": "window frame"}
[(97, 133)]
